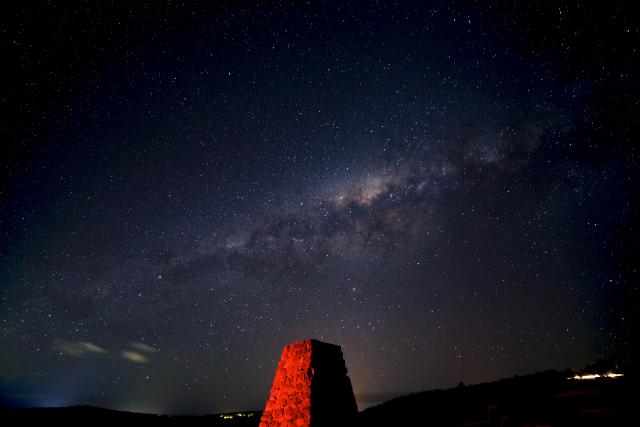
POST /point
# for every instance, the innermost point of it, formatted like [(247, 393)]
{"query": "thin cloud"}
[(78, 348), (132, 356), (143, 347)]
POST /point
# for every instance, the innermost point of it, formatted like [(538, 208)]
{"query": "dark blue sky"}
[(445, 189)]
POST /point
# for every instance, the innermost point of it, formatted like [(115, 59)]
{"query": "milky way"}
[(446, 191)]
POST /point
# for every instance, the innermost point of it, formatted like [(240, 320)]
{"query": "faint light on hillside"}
[(238, 414), (595, 376)]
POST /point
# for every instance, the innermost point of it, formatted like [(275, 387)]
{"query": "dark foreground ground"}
[(544, 399)]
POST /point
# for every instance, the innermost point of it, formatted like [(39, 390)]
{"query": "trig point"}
[(311, 388)]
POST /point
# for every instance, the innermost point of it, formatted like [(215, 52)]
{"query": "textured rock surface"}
[(311, 388)]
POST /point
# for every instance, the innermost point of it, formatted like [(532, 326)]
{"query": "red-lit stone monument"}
[(311, 388)]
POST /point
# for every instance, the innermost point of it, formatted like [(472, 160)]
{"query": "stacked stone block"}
[(311, 388)]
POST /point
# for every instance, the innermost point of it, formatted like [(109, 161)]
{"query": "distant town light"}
[(594, 376), (613, 375)]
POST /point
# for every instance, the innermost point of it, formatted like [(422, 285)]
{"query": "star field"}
[(445, 189)]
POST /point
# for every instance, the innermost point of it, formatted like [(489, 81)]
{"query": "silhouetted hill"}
[(543, 399), (88, 414)]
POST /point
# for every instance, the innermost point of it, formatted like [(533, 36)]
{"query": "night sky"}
[(447, 190)]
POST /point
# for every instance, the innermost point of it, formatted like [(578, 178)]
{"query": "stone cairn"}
[(311, 388)]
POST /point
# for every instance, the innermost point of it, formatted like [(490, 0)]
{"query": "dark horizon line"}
[(4, 407)]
